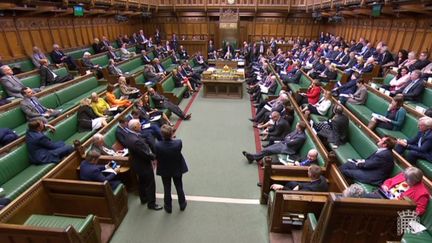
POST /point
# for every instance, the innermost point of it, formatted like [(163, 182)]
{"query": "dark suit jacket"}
[(171, 162), (426, 146), (93, 172), (385, 58), (140, 155), (348, 87), (46, 75), (97, 47), (280, 129), (121, 135), (12, 86), (319, 185), (40, 148), (56, 56), (419, 65), (414, 93), (367, 69), (374, 171), (30, 110), (7, 136)]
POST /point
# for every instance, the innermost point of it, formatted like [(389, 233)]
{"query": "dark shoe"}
[(168, 210), (144, 201), (187, 117), (155, 207), (265, 145), (183, 207), (248, 157), (259, 184), (251, 119)]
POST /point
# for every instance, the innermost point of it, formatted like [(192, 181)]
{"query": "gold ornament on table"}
[(226, 68)]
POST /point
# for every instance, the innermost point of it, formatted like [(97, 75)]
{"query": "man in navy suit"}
[(279, 129), (318, 182), (171, 165), (122, 131), (59, 57), (290, 145), (140, 156), (7, 136), (419, 147), (41, 149), (413, 91), (376, 168), (91, 171)]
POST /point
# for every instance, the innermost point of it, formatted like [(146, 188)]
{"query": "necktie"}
[(38, 106), (407, 89)]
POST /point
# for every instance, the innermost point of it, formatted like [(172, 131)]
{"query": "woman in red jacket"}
[(408, 184), (312, 94)]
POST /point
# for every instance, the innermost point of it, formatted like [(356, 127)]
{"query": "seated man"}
[(89, 65), (41, 149), (150, 74), (37, 56), (48, 77), (414, 89), (7, 136), (318, 182), (32, 108), (277, 131), (374, 169), (11, 83), (91, 171), (122, 131), (98, 145), (58, 57), (311, 158), (161, 102), (290, 145), (420, 146)]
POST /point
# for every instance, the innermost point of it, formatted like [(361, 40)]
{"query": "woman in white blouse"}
[(399, 81), (321, 107)]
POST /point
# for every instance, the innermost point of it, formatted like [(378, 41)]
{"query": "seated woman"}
[(405, 184), (91, 171), (180, 81), (87, 119), (321, 107), (126, 90), (144, 105), (312, 94), (394, 118), (112, 99), (359, 97), (400, 81), (99, 106)]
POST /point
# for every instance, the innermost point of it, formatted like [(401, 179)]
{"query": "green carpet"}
[(212, 145)]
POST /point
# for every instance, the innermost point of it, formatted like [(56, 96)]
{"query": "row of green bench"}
[(64, 99)]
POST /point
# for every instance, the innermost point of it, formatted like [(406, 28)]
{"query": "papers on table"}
[(145, 126), (284, 159), (113, 109), (211, 69), (264, 89), (109, 170)]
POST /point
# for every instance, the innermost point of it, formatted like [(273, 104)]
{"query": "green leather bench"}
[(175, 94), (304, 83), (132, 66), (25, 65), (168, 64), (425, 236), (67, 131), (17, 173), (425, 100), (383, 81), (101, 60), (374, 104), (359, 146), (409, 129), (83, 226), (78, 53)]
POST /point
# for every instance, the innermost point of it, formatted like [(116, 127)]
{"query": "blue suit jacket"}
[(426, 146), (57, 56), (93, 172), (349, 87), (171, 161), (40, 148)]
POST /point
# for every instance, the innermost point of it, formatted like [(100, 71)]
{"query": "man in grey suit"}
[(12, 84), (290, 145), (33, 109)]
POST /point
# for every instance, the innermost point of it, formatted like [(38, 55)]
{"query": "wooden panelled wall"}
[(249, 30), (404, 33), (19, 35)]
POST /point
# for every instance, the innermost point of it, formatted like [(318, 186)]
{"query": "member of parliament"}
[(189, 121)]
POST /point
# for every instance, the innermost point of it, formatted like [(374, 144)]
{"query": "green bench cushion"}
[(102, 60), (77, 54), (425, 100), (426, 167), (25, 65), (67, 131), (14, 119), (132, 65), (50, 221), (409, 129)]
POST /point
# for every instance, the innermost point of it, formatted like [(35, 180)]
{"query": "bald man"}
[(311, 158)]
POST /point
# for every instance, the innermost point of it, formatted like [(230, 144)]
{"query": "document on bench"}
[(380, 117), (267, 107), (113, 109), (155, 118), (109, 170), (284, 159), (145, 125)]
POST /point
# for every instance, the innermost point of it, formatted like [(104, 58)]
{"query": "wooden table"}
[(228, 85)]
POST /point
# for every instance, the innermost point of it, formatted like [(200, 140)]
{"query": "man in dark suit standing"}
[(140, 156), (48, 77), (171, 165), (279, 129), (420, 146), (413, 91), (291, 145), (40, 148), (318, 182), (376, 168), (59, 57)]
